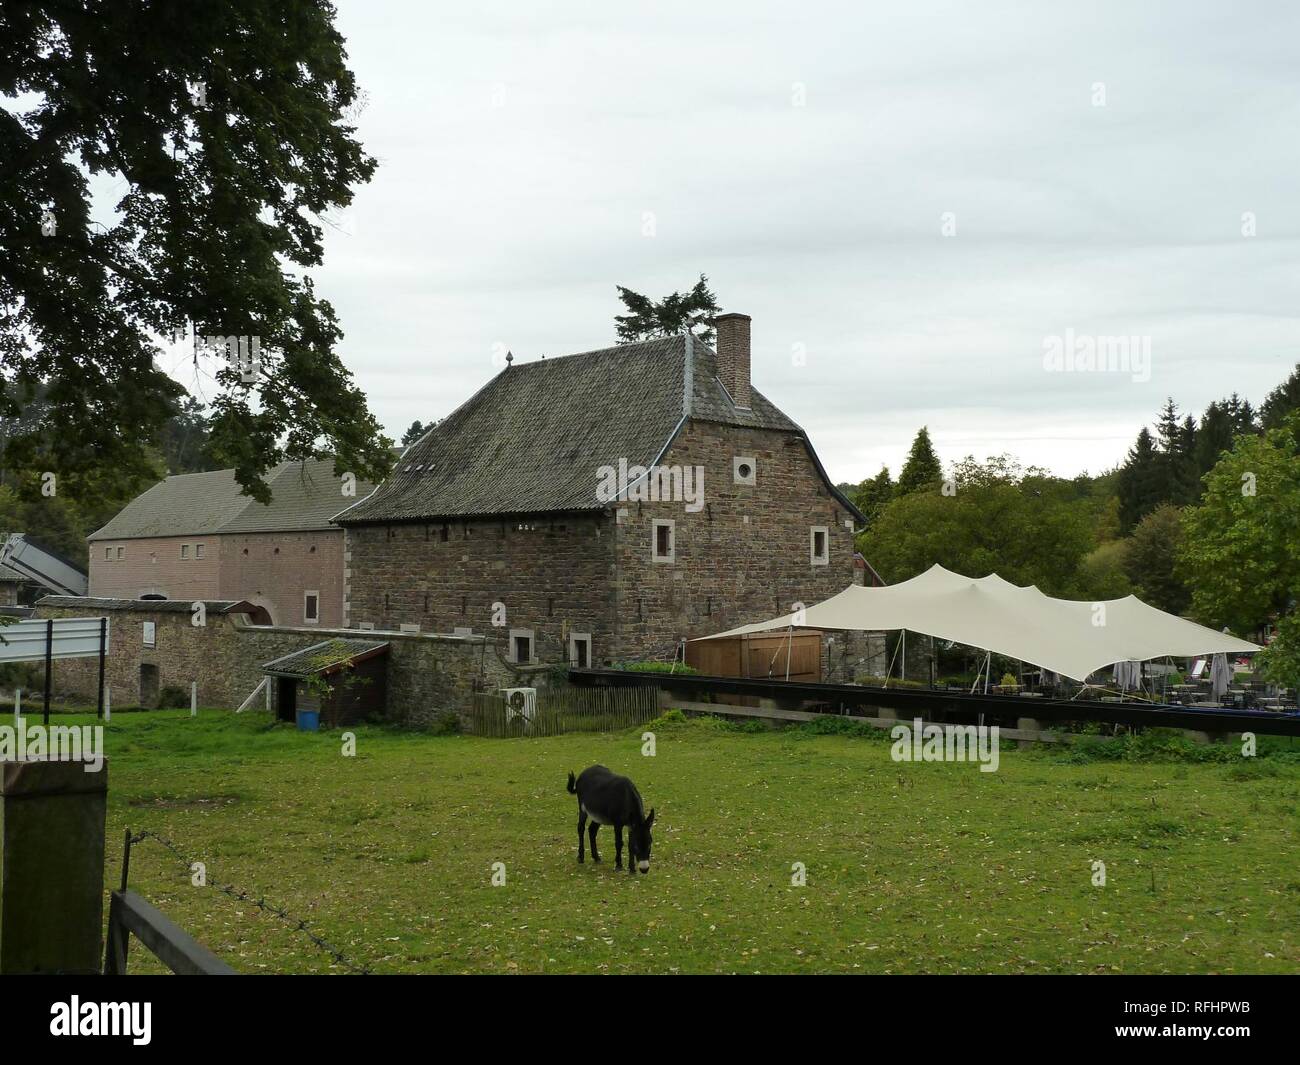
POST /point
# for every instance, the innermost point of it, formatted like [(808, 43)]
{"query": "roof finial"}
[(509, 359)]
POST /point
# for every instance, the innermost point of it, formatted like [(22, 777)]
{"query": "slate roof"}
[(8, 576), (304, 496), (533, 438), (160, 606), (328, 656)]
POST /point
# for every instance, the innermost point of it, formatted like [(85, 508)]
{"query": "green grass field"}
[(910, 867)]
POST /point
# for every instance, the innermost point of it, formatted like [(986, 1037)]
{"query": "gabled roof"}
[(533, 438), (304, 495), (326, 657)]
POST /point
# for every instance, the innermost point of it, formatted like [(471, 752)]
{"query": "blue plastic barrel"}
[(308, 720)]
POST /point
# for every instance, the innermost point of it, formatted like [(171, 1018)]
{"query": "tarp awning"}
[(1072, 637)]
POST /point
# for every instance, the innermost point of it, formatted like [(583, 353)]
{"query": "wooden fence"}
[(564, 709)]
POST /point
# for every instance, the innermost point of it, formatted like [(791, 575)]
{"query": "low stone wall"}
[(427, 674)]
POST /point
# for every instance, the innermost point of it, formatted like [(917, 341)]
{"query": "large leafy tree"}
[(1150, 560), (1241, 548), (922, 468), (677, 313), (1021, 524), (873, 493), (225, 123)]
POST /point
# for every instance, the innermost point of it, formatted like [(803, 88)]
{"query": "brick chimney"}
[(733, 355)]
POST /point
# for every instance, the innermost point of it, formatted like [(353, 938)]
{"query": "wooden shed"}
[(344, 680), (760, 655)]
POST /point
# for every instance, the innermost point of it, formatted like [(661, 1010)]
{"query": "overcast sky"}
[(1096, 161)]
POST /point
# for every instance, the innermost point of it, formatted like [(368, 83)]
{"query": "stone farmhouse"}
[(195, 537), (601, 507)]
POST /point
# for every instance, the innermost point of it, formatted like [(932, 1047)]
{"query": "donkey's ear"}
[(651, 819)]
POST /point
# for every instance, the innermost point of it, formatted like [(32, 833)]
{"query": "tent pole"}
[(788, 648)]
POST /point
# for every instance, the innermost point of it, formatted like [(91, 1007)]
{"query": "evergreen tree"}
[(1281, 401), (675, 314), (414, 433), (1213, 438), (1142, 481), (922, 468)]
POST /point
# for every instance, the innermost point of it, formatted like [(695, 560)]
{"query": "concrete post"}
[(1028, 724), (51, 867)]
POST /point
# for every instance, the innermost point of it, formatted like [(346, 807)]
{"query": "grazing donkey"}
[(609, 799)]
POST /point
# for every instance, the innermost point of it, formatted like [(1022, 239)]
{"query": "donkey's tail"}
[(573, 784)]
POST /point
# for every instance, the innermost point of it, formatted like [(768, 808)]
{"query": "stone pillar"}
[(51, 867)]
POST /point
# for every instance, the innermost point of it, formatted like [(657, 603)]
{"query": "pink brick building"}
[(195, 536)]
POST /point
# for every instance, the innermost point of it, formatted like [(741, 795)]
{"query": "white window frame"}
[(305, 596), (121, 553), (185, 552), (108, 554), (576, 638), (198, 550), (655, 525), (738, 477), (532, 646), (150, 634), (825, 558)]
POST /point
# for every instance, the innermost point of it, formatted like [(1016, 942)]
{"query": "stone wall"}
[(427, 674), (743, 556), (551, 577)]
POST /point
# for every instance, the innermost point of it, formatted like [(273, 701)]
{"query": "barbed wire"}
[(296, 923)]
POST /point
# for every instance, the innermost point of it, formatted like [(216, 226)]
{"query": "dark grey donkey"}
[(608, 799)]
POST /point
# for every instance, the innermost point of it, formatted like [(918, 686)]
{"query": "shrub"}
[(173, 697), (656, 667), (445, 723), (667, 719), (894, 682)]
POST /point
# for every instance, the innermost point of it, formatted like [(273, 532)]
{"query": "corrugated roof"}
[(304, 495), (325, 657), (533, 438)]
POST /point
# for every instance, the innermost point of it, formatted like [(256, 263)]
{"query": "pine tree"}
[(675, 314), (1142, 481), (922, 469), (1281, 401)]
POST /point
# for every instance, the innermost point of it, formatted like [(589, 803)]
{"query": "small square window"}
[(198, 550), (663, 540), (521, 646), (311, 606), (185, 550), (121, 552), (580, 650), (108, 553), (819, 545)]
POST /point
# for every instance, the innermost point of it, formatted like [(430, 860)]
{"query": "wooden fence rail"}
[(554, 711)]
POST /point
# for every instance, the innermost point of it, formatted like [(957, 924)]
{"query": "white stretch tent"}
[(1070, 637)]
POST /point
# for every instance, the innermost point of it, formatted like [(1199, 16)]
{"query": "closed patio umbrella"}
[(1220, 677)]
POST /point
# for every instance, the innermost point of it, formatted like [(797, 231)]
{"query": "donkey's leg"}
[(582, 831), (618, 847), (592, 828)]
